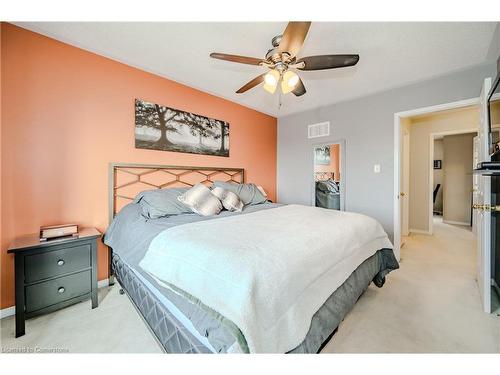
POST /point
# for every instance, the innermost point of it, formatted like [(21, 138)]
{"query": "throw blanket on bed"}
[(268, 271)]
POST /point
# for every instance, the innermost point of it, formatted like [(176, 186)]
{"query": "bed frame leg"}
[(121, 291), (111, 272)]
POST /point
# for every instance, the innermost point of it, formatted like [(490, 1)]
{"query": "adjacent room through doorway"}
[(438, 152), (452, 178), (436, 169)]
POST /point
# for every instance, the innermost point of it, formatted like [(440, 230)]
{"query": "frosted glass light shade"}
[(271, 81), (290, 80)]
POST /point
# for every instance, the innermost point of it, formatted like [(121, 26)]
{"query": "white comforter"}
[(267, 271)]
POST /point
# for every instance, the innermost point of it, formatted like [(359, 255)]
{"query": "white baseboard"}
[(420, 231), (9, 311), (456, 223), (103, 283)]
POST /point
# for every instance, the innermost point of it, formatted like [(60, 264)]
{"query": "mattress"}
[(185, 326)]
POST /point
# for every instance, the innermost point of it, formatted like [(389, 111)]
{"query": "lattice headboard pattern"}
[(323, 176), (127, 180)]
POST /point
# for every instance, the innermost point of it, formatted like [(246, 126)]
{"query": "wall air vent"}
[(321, 129)]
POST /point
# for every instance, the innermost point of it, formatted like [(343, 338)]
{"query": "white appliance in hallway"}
[(481, 200)]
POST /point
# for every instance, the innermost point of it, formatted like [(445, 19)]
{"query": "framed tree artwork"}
[(322, 155), (167, 129)]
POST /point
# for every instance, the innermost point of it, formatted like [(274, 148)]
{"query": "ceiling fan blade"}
[(250, 85), (300, 89), (328, 61), (237, 58), (293, 37)]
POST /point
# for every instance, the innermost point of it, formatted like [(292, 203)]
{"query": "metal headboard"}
[(322, 176), (126, 180)]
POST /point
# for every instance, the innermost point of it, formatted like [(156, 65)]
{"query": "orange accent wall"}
[(66, 113)]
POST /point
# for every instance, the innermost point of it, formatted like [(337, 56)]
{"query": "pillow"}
[(230, 200), (328, 186), (248, 193), (161, 202), (201, 200), (261, 189)]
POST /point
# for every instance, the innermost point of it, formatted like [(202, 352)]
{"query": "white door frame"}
[(397, 141), (405, 183), (483, 196)]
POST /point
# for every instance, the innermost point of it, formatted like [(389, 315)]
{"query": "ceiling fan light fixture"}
[(271, 81), (282, 57), (290, 80)]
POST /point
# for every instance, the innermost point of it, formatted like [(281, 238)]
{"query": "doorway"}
[(441, 179), (402, 189), (481, 192), (436, 148), (328, 189)]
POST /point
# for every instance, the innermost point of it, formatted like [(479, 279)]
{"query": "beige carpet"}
[(430, 305), (113, 327)]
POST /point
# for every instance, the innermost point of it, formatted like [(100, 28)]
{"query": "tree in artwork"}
[(162, 128)]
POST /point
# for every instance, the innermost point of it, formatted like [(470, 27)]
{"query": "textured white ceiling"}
[(391, 54)]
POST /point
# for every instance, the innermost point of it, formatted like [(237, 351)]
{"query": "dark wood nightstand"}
[(54, 274)]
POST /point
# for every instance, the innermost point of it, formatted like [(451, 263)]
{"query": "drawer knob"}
[(61, 290), (60, 262)]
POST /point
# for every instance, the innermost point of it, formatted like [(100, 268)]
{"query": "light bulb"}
[(271, 81), (290, 80)]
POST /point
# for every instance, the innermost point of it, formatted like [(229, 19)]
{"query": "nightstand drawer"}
[(50, 292), (56, 262)]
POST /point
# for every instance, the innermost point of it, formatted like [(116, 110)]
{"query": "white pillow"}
[(230, 200), (261, 189), (201, 200)]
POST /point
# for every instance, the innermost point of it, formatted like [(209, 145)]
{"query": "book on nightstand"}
[(58, 232)]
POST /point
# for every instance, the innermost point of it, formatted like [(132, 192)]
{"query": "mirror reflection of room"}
[(327, 176)]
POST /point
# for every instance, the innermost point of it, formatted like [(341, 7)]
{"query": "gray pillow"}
[(248, 193), (201, 200), (328, 186), (161, 202)]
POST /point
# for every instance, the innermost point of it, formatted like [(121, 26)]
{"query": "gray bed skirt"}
[(175, 338), (169, 332)]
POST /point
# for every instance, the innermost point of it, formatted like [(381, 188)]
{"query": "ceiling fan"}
[(283, 57)]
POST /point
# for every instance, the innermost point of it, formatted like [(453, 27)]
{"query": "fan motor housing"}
[(273, 55), (276, 40)]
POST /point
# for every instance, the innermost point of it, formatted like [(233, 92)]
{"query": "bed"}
[(328, 194), (184, 323)]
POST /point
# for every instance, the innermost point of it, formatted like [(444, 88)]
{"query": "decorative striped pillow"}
[(201, 200), (230, 200)]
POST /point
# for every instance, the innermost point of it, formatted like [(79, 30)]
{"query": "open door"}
[(404, 183), (481, 198)]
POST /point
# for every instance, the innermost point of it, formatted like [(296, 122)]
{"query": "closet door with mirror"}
[(328, 175)]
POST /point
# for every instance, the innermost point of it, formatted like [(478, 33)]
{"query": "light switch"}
[(376, 168)]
